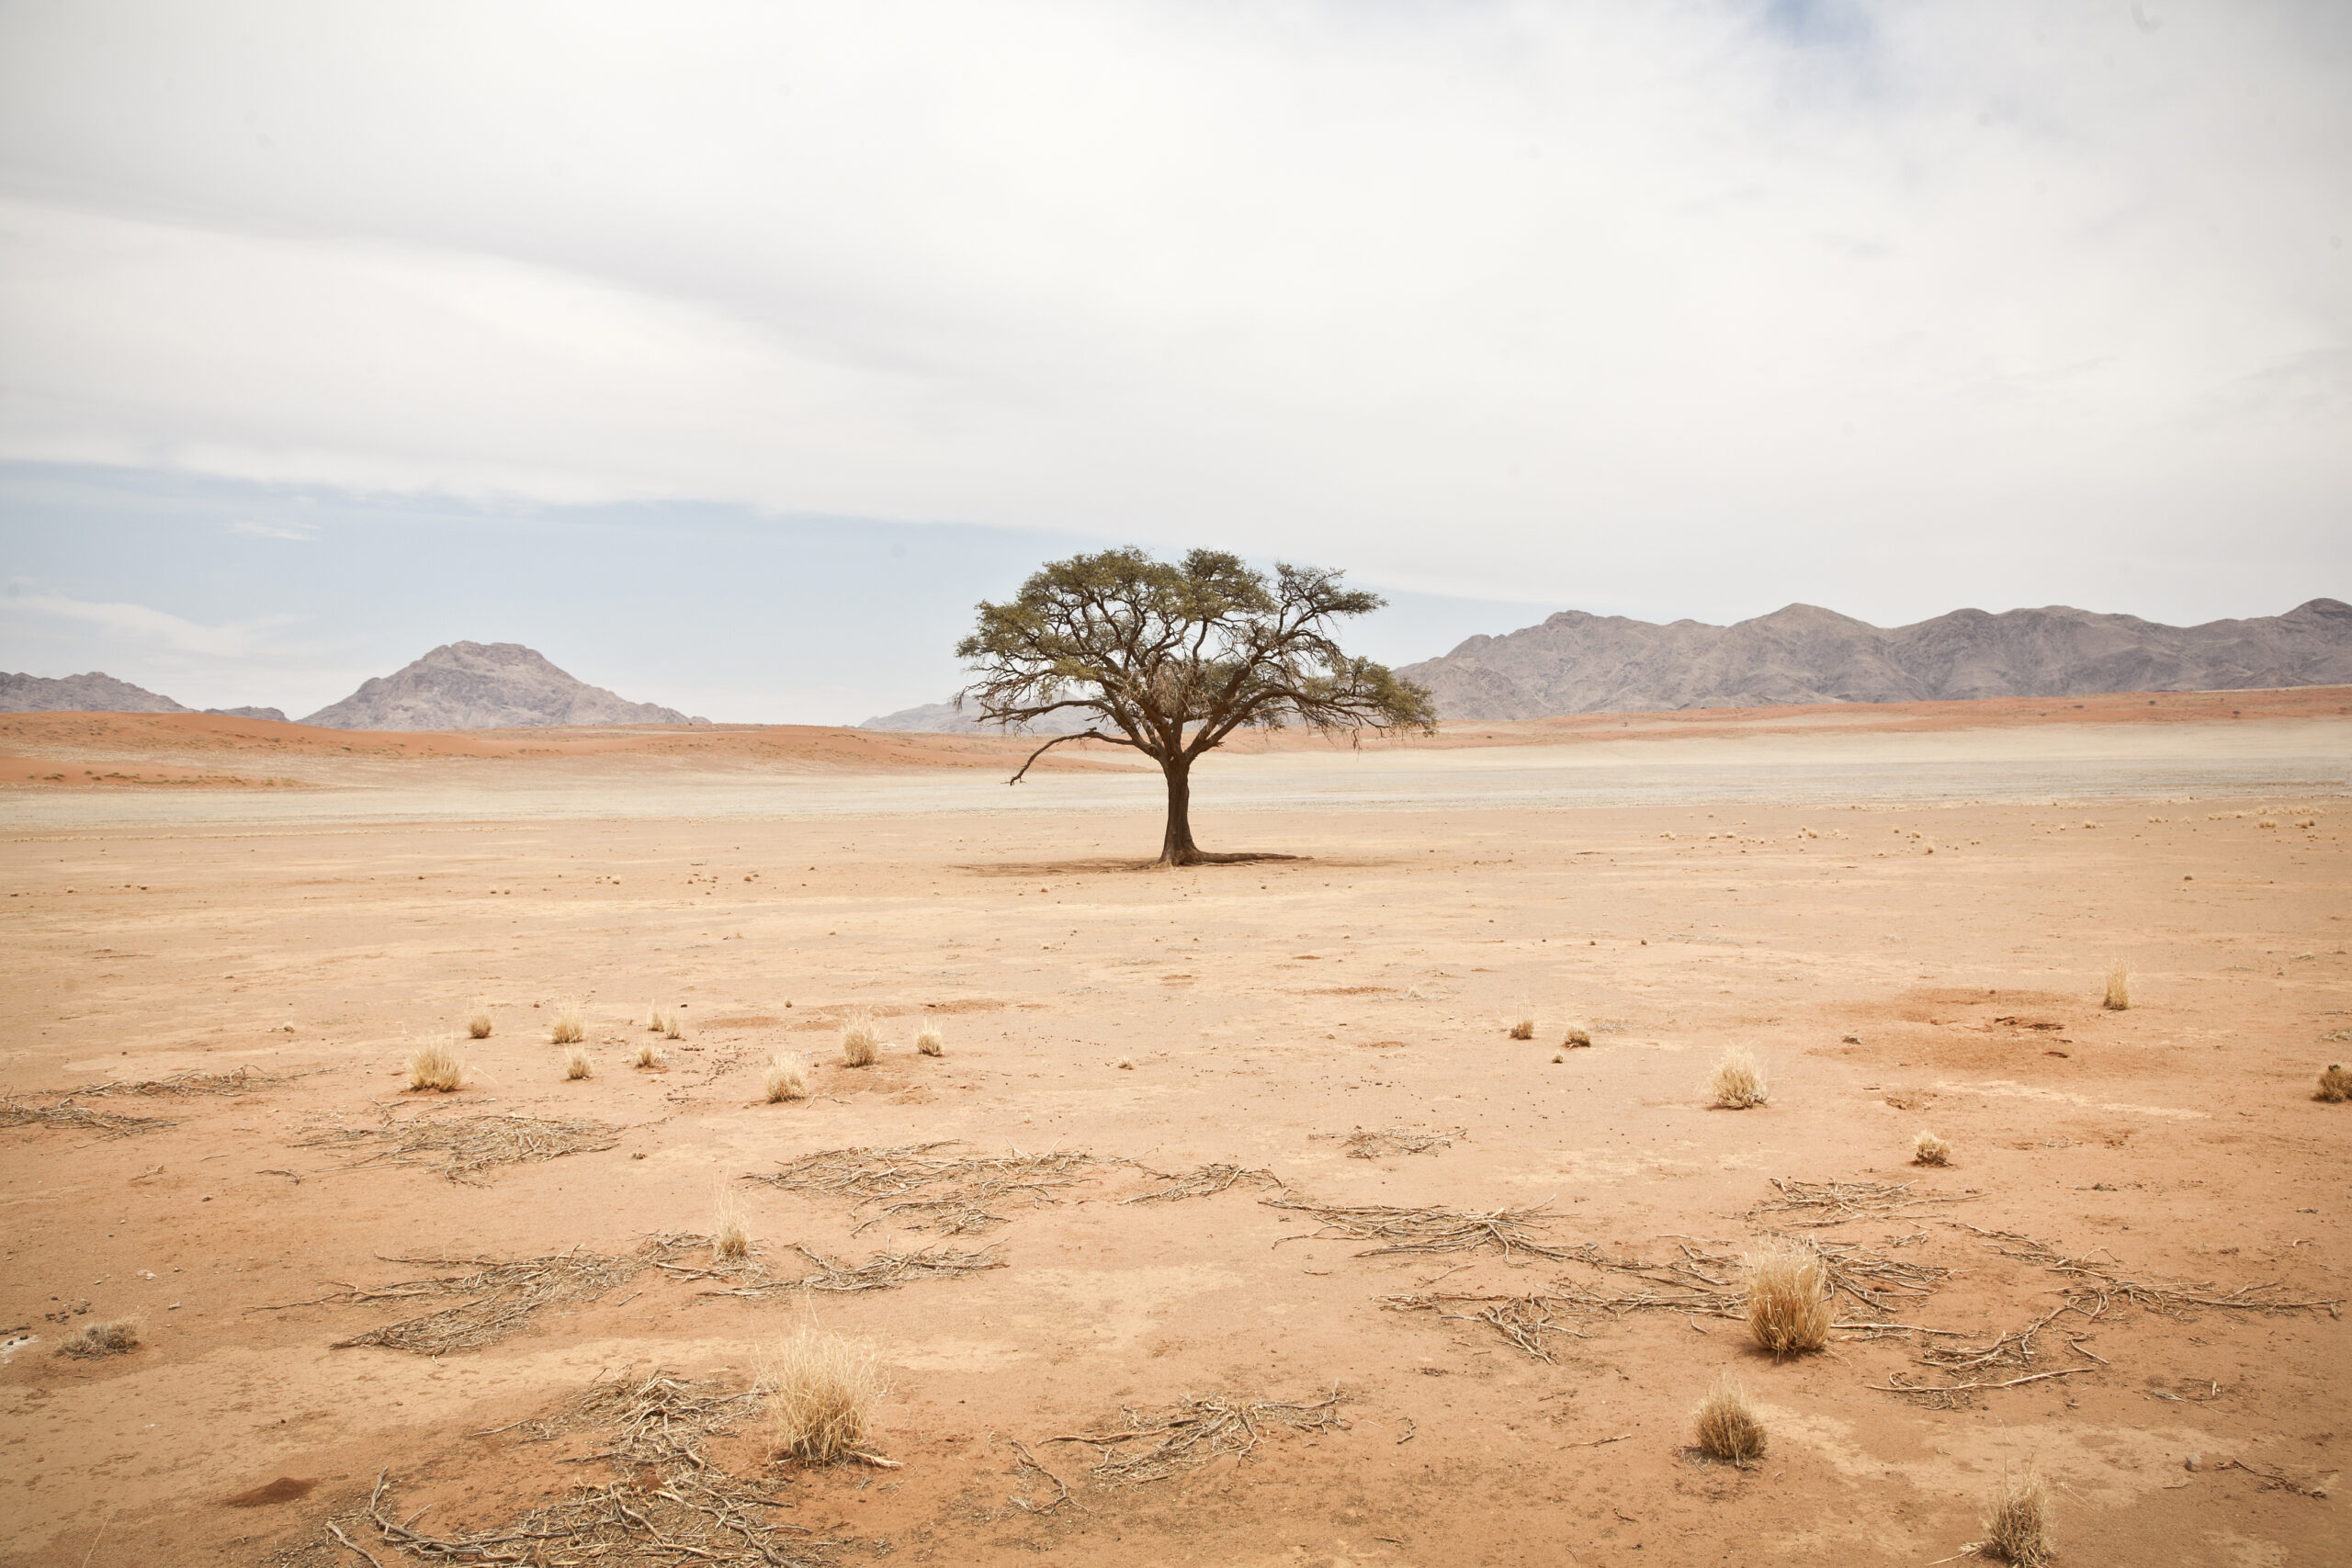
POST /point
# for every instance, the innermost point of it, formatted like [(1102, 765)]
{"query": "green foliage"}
[(1172, 658)]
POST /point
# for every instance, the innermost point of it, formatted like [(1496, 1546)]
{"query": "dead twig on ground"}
[(1380, 1142), (915, 1186), (1204, 1181), (886, 1270), (70, 1115), (1424, 1230), (1194, 1432), (1836, 1202), (470, 1147)]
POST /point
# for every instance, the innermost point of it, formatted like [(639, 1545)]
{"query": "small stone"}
[(2193, 1461)]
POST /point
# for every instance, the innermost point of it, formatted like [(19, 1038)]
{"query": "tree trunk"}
[(1177, 847)]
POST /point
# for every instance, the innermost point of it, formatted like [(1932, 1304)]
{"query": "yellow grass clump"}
[(731, 1235), (576, 1064), (787, 1078), (673, 1026), (649, 1055), (1735, 1082), (2118, 988), (655, 1023), (570, 1025), (2017, 1530), (1788, 1298), (930, 1042), (1726, 1428), (1523, 1025), (2334, 1085), (103, 1338), (1928, 1149), (1577, 1038), (860, 1043), (438, 1066), (478, 1026), (821, 1392)]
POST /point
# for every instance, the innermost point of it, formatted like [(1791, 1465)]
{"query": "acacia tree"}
[(1171, 658)]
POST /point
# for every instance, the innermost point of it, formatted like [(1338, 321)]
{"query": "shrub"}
[(1928, 1149), (478, 1026), (1577, 1038), (436, 1066), (1522, 1026), (576, 1064), (930, 1042), (787, 1078), (2334, 1085), (2118, 988), (570, 1025), (1788, 1298), (1735, 1082), (821, 1392), (1726, 1428), (102, 1338), (860, 1043), (2017, 1530), (731, 1236)]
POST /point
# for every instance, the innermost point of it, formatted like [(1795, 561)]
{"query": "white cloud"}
[(137, 624), (1887, 308), (255, 530)]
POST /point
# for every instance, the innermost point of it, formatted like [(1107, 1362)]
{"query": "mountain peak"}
[(485, 685)]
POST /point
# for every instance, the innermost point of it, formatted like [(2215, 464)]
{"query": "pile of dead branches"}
[(665, 1501), (68, 1115), (1206, 1181), (1429, 1229), (1380, 1142), (886, 1270), (1194, 1432), (468, 1147), (1824, 1204), (502, 1296), (916, 1187), (2095, 1285), (173, 1086)]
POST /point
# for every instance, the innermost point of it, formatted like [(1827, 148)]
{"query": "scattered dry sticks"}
[(1380, 1142), (1206, 1181), (2095, 1286), (468, 1146), (1194, 1432), (1829, 1203), (503, 1295), (67, 1114), (1424, 1230), (667, 1502), (886, 1270), (920, 1189)]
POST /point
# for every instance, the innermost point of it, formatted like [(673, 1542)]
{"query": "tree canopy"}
[(1171, 658)]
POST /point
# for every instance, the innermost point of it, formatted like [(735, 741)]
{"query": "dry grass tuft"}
[(2334, 1085), (1928, 1149), (821, 1390), (570, 1025), (930, 1042), (860, 1043), (576, 1064), (649, 1055), (730, 1233), (1726, 1428), (1125, 1064), (654, 1020), (1523, 1025), (673, 1027), (1579, 1038), (436, 1066), (478, 1026), (1788, 1298), (1736, 1083), (2017, 1530), (103, 1338), (2118, 988), (787, 1078)]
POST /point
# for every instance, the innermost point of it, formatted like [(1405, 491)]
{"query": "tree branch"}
[(1084, 735)]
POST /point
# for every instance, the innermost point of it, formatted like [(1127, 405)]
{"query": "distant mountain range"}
[(1575, 663), (485, 685), (96, 693), (459, 685)]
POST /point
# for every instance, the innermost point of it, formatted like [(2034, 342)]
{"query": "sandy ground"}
[(1907, 919)]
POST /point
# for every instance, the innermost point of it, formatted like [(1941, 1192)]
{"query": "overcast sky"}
[(727, 353)]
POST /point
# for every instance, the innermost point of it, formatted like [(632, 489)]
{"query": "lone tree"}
[(1171, 658)]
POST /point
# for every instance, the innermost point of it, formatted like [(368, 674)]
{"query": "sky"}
[(728, 354)]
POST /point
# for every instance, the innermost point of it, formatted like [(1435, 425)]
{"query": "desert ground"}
[(1231, 1225)]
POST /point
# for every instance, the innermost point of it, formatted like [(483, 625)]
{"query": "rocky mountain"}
[(275, 715), (485, 685), (93, 693), (942, 718), (1575, 663)]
